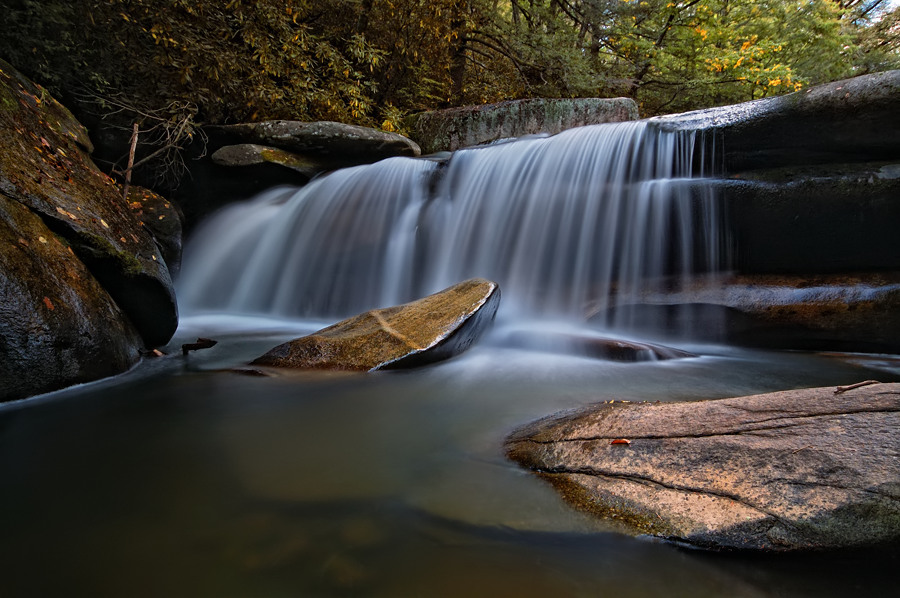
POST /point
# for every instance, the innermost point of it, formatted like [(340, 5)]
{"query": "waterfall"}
[(587, 219)]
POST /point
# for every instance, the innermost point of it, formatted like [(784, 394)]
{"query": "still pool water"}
[(183, 478)]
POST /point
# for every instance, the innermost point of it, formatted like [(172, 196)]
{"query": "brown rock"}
[(792, 470), (424, 331)]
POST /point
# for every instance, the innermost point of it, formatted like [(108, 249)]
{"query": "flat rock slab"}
[(791, 470), (409, 335)]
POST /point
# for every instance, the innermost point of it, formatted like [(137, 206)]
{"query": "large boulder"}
[(424, 331), (45, 170), (454, 128), (793, 470)]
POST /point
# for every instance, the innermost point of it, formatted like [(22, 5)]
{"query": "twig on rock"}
[(841, 389)]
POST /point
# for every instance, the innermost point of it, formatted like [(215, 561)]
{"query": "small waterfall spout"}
[(596, 216)]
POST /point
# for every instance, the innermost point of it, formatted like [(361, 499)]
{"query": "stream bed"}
[(184, 478)]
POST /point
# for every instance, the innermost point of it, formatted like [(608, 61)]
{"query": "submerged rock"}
[(454, 128), (793, 470), (409, 335), (595, 347)]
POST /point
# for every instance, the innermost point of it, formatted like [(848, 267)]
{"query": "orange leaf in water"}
[(620, 441)]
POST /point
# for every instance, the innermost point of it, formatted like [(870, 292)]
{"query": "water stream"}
[(183, 478)]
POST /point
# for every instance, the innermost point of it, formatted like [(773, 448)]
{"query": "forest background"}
[(371, 62)]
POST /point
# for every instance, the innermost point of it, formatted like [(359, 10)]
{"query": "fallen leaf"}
[(48, 303), (620, 441)]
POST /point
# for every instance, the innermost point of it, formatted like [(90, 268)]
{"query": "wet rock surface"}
[(431, 329), (339, 143), (163, 219), (794, 470), (854, 120), (454, 128), (811, 221)]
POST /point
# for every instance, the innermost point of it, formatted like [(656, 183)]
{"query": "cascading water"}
[(595, 216)]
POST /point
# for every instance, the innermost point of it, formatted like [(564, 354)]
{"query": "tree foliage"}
[(371, 61)]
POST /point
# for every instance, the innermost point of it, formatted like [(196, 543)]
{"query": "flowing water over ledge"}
[(182, 478), (594, 215)]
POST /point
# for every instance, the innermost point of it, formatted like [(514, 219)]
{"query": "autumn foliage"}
[(372, 61)]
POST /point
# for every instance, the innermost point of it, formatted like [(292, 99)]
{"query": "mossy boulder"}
[(431, 329), (787, 471), (238, 161), (251, 154), (46, 171)]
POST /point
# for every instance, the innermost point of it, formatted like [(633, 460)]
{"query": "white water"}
[(595, 216)]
